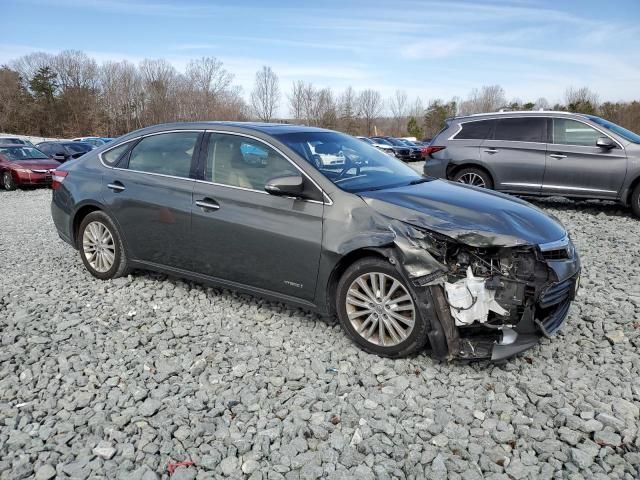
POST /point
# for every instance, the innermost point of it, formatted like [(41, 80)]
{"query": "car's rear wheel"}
[(635, 201), (475, 177), (378, 311), (7, 181), (101, 247)]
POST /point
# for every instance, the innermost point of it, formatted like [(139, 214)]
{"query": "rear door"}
[(515, 153), (149, 194), (244, 235), (576, 166)]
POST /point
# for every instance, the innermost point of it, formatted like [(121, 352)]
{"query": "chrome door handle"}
[(207, 204), (116, 187), (557, 155), (491, 150)]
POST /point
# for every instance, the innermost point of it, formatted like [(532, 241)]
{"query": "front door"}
[(577, 167), (150, 197), (244, 235)]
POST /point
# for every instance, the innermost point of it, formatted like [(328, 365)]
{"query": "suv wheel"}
[(101, 248), (635, 201), (378, 311), (475, 177)]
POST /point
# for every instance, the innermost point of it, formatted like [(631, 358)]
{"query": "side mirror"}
[(605, 143), (286, 186)]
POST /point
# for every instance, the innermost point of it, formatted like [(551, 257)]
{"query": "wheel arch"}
[(454, 168), (79, 215), (341, 266), (630, 189)]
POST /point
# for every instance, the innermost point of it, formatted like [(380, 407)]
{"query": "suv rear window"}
[(475, 130), (526, 129)]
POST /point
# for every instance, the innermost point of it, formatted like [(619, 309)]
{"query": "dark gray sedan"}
[(402, 260)]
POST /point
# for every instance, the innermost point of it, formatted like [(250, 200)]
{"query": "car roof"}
[(518, 113), (268, 128), (19, 145)]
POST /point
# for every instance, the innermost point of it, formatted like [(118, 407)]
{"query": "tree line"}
[(70, 94)]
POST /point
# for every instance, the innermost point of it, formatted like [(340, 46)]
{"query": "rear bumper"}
[(61, 220)]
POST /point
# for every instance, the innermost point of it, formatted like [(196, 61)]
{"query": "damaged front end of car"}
[(487, 296)]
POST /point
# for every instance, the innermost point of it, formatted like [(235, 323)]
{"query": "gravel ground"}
[(118, 379)]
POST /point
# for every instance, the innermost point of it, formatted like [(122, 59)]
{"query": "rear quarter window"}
[(113, 156), (478, 130)]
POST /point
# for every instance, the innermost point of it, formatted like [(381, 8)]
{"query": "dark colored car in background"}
[(402, 151), (63, 150), (15, 141), (402, 260), (23, 165), (540, 153)]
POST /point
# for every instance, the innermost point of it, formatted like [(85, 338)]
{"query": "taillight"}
[(57, 177), (427, 151)]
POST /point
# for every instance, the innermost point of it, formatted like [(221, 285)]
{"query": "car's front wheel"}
[(101, 247), (7, 181), (475, 177), (378, 311)]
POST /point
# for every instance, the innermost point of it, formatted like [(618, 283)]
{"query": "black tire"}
[(466, 174), (120, 265), (635, 201), (7, 181), (416, 339)]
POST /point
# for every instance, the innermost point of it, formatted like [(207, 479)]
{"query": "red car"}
[(22, 165)]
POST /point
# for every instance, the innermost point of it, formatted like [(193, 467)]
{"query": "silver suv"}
[(540, 153)]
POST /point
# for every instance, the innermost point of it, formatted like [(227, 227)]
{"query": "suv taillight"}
[(427, 151), (57, 177)]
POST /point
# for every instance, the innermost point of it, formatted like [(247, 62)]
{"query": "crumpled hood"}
[(473, 216), (36, 164)]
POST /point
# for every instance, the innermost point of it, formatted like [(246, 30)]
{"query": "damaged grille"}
[(554, 305), (559, 254)]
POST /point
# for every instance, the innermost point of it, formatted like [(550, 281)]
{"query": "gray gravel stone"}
[(251, 388)]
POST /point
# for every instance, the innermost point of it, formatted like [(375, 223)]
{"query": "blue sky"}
[(430, 49)]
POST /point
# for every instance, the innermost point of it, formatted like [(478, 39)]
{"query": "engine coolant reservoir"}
[(470, 301)]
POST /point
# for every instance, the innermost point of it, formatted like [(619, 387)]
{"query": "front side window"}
[(352, 165), (572, 132), (525, 129), (166, 153), (475, 130), (240, 161)]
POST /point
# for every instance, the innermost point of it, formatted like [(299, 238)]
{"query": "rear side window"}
[(571, 132), (112, 156), (475, 130), (526, 129), (166, 153)]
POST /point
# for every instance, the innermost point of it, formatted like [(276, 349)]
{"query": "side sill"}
[(218, 282)]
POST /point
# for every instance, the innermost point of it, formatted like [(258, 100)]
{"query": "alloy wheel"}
[(380, 309), (7, 181), (474, 179), (98, 247)]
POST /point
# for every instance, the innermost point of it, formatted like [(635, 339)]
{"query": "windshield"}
[(352, 165), (78, 147), (22, 153), (623, 132)]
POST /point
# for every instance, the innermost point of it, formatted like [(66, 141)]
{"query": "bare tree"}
[(265, 96), (159, 81), (28, 65), (581, 100), (542, 103), (348, 111), (296, 100), (398, 107), (370, 107), (487, 99)]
